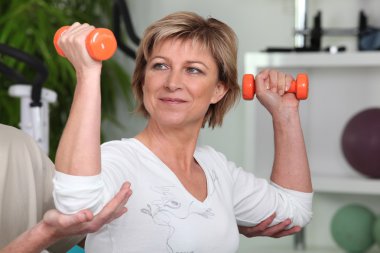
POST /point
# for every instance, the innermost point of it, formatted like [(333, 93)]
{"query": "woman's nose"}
[(174, 81)]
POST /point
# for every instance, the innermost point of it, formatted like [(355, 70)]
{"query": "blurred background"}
[(339, 49)]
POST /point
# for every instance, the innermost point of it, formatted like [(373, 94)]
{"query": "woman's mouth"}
[(172, 100)]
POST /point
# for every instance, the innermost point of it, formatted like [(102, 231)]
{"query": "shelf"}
[(323, 142), (344, 185), (342, 85), (321, 250), (313, 250), (254, 60)]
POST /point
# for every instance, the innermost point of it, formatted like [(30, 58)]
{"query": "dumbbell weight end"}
[(300, 87), (100, 43)]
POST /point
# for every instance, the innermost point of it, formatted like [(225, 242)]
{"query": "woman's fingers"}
[(281, 82), (273, 80), (288, 81)]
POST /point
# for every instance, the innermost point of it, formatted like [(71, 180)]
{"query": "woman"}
[(186, 198)]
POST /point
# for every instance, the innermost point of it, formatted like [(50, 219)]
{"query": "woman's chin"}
[(175, 122)]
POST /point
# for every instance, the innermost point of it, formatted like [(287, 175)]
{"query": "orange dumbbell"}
[(100, 43), (300, 86)]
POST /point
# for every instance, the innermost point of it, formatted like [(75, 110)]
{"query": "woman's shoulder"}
[(121, 143), (208, 152), (123, 146), (205, 149)]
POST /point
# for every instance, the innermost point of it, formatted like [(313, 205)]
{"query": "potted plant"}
[(30, 26)]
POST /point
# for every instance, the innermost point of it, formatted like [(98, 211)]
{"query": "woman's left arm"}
[(290, 167), (290, 194)]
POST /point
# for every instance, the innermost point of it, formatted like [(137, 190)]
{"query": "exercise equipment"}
[(360, 142), (121, 14), (34, 99), (300, 86), (352, 228), (376, 231), (100, 43), (364, 33), (310, 39)]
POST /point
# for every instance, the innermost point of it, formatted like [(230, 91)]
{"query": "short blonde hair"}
[(214, 35)]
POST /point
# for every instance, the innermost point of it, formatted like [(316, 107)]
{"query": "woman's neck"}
[(175, 147)]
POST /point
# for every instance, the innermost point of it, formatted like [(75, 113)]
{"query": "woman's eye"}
[(159, 66), (192, 70)]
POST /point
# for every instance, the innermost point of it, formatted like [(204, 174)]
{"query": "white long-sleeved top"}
[(162, 215)]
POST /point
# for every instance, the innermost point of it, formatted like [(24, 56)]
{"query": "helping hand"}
[(84, 222), (263, 229)]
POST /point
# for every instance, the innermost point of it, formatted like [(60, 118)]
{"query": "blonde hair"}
[(214, 35)]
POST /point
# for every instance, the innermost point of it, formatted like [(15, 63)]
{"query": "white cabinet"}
[(341, 85)]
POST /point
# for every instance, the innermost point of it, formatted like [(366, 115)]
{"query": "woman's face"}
[(181, 81)]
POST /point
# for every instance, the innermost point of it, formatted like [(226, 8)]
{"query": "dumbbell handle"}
[(100, 43), (300, 86)]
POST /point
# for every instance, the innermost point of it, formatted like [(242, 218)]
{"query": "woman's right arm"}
[(79, 147), (78, 183)]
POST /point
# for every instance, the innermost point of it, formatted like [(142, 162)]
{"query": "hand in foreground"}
[(55, 225), (263, 229), (84, 221)]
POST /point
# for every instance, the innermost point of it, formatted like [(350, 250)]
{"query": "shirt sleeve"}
[(255, 199), (74, 193)]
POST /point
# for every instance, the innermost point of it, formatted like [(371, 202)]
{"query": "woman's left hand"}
[(271, 87)]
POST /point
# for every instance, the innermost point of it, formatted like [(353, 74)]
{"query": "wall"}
[(258, 24)]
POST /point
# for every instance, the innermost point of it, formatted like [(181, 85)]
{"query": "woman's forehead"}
[(189, 50), (185, 44)]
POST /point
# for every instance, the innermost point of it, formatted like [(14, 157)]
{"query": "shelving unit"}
[(341, 85), (311, 250), (347, 185), (322, 108), (255, 60)]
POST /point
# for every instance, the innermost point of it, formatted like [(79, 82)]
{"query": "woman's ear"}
[(220, 90)]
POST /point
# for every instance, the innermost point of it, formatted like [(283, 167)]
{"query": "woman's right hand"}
[(72, 42)]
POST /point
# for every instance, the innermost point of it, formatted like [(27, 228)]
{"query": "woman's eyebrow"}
[(198, 62), (187, 62), (158, 57)]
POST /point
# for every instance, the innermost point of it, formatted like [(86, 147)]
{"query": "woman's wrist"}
[(88, 75), (286, 116)]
